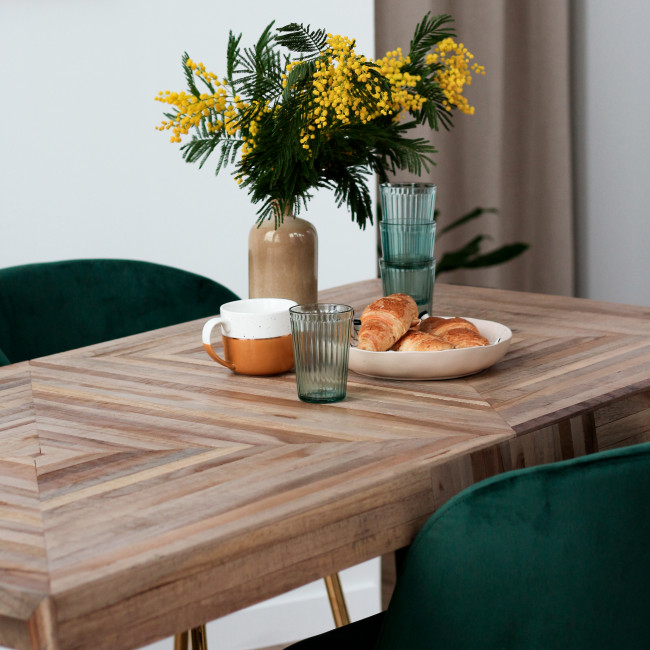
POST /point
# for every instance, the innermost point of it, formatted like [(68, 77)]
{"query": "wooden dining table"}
[(145, 490)]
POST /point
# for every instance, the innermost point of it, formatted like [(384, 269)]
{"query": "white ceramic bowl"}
[(444, 364)]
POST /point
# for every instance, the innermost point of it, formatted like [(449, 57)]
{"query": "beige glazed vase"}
[(283, 263)]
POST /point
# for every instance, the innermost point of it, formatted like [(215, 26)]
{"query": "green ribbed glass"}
[(321, 349), (407, 202), (416, 280), (407, 243)]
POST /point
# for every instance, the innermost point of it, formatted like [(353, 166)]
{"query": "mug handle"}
[(207, 331)]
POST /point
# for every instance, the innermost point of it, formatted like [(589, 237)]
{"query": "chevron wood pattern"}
[(145, 490)]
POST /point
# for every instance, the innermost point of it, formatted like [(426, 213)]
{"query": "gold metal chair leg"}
[(337, 600), (199, 638), (181, 641)]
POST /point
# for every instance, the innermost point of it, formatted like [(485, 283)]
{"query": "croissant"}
[(429, 324), (439, 326), (384, 321), (415, 341), (462, 337)]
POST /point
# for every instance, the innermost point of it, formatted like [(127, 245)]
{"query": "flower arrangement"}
[(302, 110)]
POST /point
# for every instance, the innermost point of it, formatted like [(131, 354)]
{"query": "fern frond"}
[(232, 54), (298, 38), (189, 75), (427, 34), (297, 75)]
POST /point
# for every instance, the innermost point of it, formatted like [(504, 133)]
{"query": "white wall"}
[(612, 96), (83, 173)]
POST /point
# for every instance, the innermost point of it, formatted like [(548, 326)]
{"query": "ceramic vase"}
[(283, 262)]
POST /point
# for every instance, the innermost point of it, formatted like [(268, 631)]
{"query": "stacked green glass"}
[(408, 231)]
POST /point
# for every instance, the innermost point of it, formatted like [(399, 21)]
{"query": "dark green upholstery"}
[(556, 556), (56, 306)]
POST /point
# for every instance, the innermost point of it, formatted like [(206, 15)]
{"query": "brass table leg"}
[(181, 641), (199, 638), (337, 600)]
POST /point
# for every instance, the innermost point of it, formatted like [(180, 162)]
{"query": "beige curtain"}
[(514, 154)]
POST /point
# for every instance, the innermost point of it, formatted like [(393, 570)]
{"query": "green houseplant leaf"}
[(470, 255)]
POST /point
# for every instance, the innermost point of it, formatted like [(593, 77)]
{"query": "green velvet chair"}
[(556, 556), (56, 306)]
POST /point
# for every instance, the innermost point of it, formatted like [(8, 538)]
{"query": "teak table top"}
[(145, 490)]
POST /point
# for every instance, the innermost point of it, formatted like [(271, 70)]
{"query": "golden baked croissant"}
[(384, 321), (463, 337), (429, 324), (439, 326), (415, 341)]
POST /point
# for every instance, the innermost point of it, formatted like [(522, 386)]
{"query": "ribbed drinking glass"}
[(407, 243), (416, 280), (321, 349), (407, 202)]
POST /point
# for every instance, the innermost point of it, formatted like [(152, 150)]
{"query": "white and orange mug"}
[(256, 335)]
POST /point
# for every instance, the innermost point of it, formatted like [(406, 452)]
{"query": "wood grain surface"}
[(144, 489)]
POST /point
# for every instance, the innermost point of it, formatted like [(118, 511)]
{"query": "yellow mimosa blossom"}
[(191, 110), (343, 88), (454, 72), (302, 109), (403, 99), (339, 70)]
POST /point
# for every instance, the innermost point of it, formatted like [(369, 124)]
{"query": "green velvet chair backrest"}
[(57, 306), (556, 556)]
